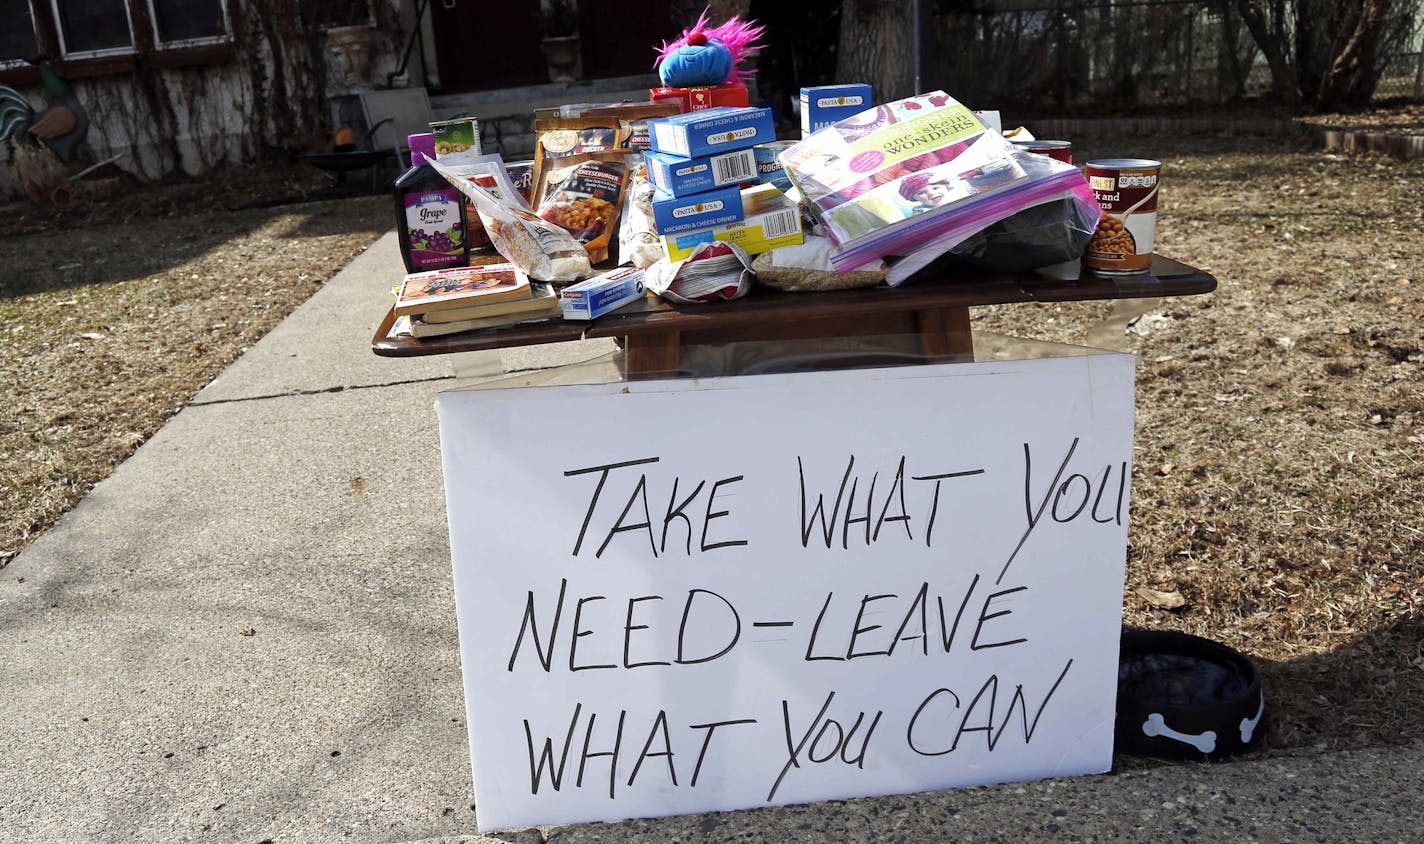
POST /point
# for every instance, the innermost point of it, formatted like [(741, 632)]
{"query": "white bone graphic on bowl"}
[(1156, 725), (1248, 725)]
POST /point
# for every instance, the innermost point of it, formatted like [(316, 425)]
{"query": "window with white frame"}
[(18, 38), (93, 27), (188, 22)]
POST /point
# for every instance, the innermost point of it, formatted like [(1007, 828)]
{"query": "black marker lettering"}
[(546, 761), (580, 633), (676, 513), (707, 740), (639, 494), (851, 652), (707, 520), (546, 658), (682, 630), (1032, 515), (603, 471), (659, 728), (896, 493), (629, 627), (828, 525), (985, 615)]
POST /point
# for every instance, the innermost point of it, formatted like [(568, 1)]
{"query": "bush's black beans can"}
[(1126, 189), (1060, 150)]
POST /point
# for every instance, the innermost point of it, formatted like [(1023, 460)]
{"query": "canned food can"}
[(1060, 150), (1126, 189)]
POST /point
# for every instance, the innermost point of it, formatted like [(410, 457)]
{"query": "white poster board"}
[(681, 596)]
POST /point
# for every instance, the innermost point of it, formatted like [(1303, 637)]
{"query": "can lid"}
[(1125, 163)]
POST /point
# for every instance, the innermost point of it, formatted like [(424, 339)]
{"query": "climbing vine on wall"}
[(269, 98)]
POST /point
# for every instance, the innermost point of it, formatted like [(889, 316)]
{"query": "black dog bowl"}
[(1185, 697)]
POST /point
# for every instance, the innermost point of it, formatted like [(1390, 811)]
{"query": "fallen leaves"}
[(1161, 600)]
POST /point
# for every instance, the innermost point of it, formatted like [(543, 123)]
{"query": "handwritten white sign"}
[(715, 594)]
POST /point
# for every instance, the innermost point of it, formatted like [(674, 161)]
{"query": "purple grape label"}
[(432, 221)]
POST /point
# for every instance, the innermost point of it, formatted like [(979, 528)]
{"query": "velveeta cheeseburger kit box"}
[(712, 131), (823, 105)]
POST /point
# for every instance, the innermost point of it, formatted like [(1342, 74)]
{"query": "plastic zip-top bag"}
[(916, 173)]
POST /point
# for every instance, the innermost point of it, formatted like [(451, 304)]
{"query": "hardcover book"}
[(543, 300), (461, 287)]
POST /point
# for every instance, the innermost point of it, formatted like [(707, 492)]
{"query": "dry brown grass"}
[(114, 315), (1279, 478)]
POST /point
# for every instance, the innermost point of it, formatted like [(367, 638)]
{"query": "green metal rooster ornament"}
[(60, 127)]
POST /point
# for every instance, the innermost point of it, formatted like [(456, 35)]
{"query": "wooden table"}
[(654, 332)]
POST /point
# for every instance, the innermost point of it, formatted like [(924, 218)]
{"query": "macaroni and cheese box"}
[(674, 214), (823, 105), (712, 131), (684, 176), (770, 220), (604, 293)]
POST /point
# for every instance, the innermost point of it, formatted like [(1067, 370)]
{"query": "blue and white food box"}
[(674, 214), (682, 176), (712, 131), (823, 105), (768, 166), (599, 295), (770, 221)]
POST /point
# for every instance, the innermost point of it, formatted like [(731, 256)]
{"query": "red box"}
[(696, 99)]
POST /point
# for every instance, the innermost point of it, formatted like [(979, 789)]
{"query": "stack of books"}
[(429, 304)]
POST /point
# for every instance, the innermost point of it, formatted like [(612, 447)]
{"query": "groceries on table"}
[(691, 197)]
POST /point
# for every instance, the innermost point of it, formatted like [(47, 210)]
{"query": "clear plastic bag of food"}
[(544, 251)]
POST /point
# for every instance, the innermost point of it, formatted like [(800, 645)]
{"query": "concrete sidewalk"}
[(247, 634)]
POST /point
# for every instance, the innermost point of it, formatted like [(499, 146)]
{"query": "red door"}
[(483, 44)]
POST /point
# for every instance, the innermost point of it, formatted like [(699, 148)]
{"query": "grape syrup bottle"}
[(430, 213)]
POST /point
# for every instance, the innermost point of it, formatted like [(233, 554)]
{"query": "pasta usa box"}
[(675, 214), (683, 176), (770, 221), (823, 105), (712, 131)]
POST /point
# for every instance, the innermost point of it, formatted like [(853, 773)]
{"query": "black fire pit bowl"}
[(1185, 697)]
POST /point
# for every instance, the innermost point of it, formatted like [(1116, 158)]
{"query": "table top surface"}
[(1063, 283)]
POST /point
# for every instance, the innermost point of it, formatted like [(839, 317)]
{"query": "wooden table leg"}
[(945, 333), (653, 355)]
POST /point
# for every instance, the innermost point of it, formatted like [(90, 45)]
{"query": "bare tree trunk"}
[(877, 46), (1356, 56), (1273, 47), (1230, 75), (1124, 84)]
